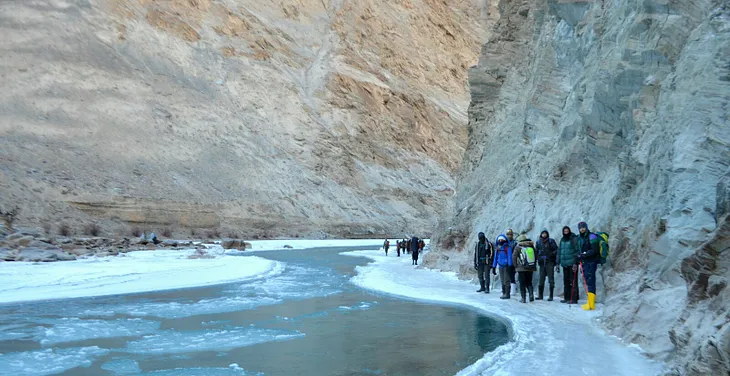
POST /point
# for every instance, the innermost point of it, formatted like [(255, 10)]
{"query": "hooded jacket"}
[(525, 243), (502, 253), (589, 247), (483, 251), (568, 252), (546, 249)]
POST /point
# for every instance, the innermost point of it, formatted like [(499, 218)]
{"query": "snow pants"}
[(504, 277), (547, 270), (589, 273), (483, 273), (570, 284), (525, 282)]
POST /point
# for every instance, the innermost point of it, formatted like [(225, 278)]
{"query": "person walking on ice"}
[(590, 254), (524, 260), (547, 252), (503, 260), (483, 258)]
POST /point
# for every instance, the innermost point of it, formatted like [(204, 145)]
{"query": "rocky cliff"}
[(616, 113), (269, 117)]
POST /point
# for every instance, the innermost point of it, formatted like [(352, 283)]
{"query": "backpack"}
[(603, 248), (527, 257)]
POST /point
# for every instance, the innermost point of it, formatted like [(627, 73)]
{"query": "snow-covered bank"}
[(550, 338), (133, 272)]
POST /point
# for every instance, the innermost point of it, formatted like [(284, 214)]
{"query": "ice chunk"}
[(210, 340), (122, 367), (75, 329), (50, 361)]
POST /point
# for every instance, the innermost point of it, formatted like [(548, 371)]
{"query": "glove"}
[(494, 271), (575, 268)]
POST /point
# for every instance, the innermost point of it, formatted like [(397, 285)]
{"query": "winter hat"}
[(522, 238), (544, 231), (481, 236), (569, 231), (582, 225), (501, 237)]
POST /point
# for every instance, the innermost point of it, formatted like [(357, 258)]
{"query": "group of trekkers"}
[(412, 246), (576, 254)]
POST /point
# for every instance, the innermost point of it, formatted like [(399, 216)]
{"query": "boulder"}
[(235, 244), (44, 255), (170, 243), (14, 236), (7, 254)]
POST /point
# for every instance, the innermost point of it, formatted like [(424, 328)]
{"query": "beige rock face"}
[(615, 113), (269, 117)]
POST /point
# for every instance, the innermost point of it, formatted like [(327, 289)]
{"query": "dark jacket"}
[(546, 249), (568, 252), (518, 252), (483, 253), (502, 253), (589, 247), (413, 243)]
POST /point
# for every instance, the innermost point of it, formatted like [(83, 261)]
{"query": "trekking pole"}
[(573, 287), (583, 274)]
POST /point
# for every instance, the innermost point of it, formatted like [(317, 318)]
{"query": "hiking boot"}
[(563, 301), (550, 298), (523, 300), (486, 291), (532, 296), (481, 284), (540, 290)]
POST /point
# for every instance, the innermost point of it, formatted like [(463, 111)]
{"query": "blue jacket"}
[(502, 253)]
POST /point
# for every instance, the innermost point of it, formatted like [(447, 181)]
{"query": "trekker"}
[(386, 245), (421, 245), (524, 260), (588, 256), (414, 249), (397, 247), (567, 256), (547, 252), (483, 258), (408, 246), (512, 243), (503, 259)]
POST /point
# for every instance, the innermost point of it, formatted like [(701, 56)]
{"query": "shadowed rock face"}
[(268, 117), (615, 113)]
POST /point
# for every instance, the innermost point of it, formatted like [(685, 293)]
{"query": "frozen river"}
[(306, 318)]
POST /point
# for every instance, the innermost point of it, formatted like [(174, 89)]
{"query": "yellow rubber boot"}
[(591, 305)]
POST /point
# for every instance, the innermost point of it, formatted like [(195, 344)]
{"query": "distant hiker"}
[(483, 259), (525, 262), (547, 252), (567, 255), (413, 244), (421, 245), (512, 243), (386, 245), (588, 256), (503, 260), (404, 244), (397, 247)]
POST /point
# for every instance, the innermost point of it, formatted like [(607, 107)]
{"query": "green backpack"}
[(527, 257), (603, 249)]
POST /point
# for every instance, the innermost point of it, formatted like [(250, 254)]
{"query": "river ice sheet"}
[(549, 338), (132, 272)]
